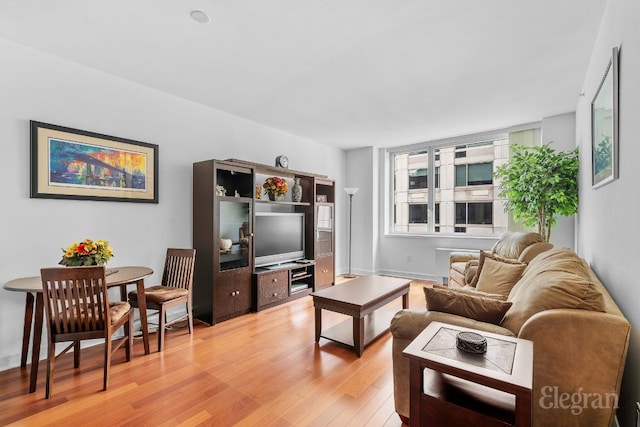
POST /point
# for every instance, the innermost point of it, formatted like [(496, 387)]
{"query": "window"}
[(417, 214), (474, 213), (448, 188), (417, 178), (474, 174)]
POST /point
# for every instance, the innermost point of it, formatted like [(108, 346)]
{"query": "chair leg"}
[(128, 328), (76, 354), (51, 361), (162, 314), (107, 361), (190, 318)]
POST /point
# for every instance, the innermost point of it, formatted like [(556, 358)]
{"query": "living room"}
[(34, 230)]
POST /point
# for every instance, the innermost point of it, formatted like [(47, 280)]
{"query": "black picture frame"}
[(605, 125), (69, 163)]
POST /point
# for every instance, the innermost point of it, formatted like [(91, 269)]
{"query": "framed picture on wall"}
[(604, 126), (75, 164)]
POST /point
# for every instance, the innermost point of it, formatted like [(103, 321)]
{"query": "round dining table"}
[(32, 286)]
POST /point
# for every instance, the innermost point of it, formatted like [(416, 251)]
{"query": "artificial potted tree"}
[(539, 184)]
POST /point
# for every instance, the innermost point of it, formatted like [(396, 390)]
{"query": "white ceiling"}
[(349, 73)]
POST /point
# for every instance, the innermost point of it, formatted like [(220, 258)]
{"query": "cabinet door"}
[(243, 296), (224, 298), (234, 233), (272, 287), (324, 272), (232, 294), (324, 229)]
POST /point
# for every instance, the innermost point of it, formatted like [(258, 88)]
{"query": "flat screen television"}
[(278, 237)]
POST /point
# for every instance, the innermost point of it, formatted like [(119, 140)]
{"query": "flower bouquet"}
[(86, 252), (275, 186)]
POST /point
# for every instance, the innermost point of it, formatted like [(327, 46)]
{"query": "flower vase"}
[(296, 194), (279, 197), (272, 197)]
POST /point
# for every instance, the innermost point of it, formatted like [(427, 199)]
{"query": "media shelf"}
[(282, 283), (229, 217), (283, 203)]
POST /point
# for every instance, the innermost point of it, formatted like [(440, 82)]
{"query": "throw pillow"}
[(497, 275), (477, 307)]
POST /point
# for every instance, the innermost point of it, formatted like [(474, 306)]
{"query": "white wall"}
[(560, 131), (608, 226), (38, 86), (362, 174)]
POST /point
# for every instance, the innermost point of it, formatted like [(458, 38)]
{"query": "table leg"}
[(416, 386), (37, 338), (142, 306), (523, 409), (318, 324), (26, 333), (405, 300), (358, 335)]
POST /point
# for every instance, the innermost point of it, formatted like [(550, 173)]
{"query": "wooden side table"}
[(451, 387)]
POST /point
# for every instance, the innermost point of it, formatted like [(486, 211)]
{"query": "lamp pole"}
[(350, 191)]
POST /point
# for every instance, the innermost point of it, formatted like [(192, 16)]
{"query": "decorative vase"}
[(296, 194), (272, 196), (279, 197)]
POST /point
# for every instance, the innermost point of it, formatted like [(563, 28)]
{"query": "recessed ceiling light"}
[(199, 16)]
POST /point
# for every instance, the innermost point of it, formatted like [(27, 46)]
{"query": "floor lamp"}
[(350, 192)]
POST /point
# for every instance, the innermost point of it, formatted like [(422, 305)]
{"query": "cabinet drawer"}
[(273, 287)]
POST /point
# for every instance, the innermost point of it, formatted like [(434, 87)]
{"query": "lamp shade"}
[(351, 190)]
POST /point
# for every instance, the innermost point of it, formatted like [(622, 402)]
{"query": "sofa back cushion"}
[(512, 243), (557, 278)]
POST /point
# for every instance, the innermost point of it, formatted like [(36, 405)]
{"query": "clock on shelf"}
[(282, 161)]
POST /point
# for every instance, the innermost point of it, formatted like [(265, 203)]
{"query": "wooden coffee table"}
[(459, 388), (360, 298)]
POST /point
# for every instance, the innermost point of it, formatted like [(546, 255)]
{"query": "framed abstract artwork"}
[(604, 126), (75, 164)]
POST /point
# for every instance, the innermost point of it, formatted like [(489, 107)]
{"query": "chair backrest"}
[(75, 299), (178, 268)]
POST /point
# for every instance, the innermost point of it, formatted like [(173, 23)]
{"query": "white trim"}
[(464, 139)]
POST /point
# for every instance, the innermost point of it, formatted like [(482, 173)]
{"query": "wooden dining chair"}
[(175, 289), (77, 308)]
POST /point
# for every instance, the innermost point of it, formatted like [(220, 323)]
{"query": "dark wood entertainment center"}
[(227, 282)]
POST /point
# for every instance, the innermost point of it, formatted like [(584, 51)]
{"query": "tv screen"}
[(278, 237)]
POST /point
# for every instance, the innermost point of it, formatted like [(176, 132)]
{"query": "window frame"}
[(470, 141)]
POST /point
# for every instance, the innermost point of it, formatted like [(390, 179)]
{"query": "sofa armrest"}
[(462, 257), (576, 352), (470, 270)]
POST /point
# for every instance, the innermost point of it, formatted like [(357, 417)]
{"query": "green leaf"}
[(539, 184)]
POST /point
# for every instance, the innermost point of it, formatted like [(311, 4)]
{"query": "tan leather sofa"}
[(580, 340), (516, 245)]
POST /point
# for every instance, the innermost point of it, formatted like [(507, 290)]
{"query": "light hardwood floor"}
[(258, 369)]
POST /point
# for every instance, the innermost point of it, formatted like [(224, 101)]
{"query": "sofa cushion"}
[(512, 243), (478, 307), (554, 279), (497, 275)]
